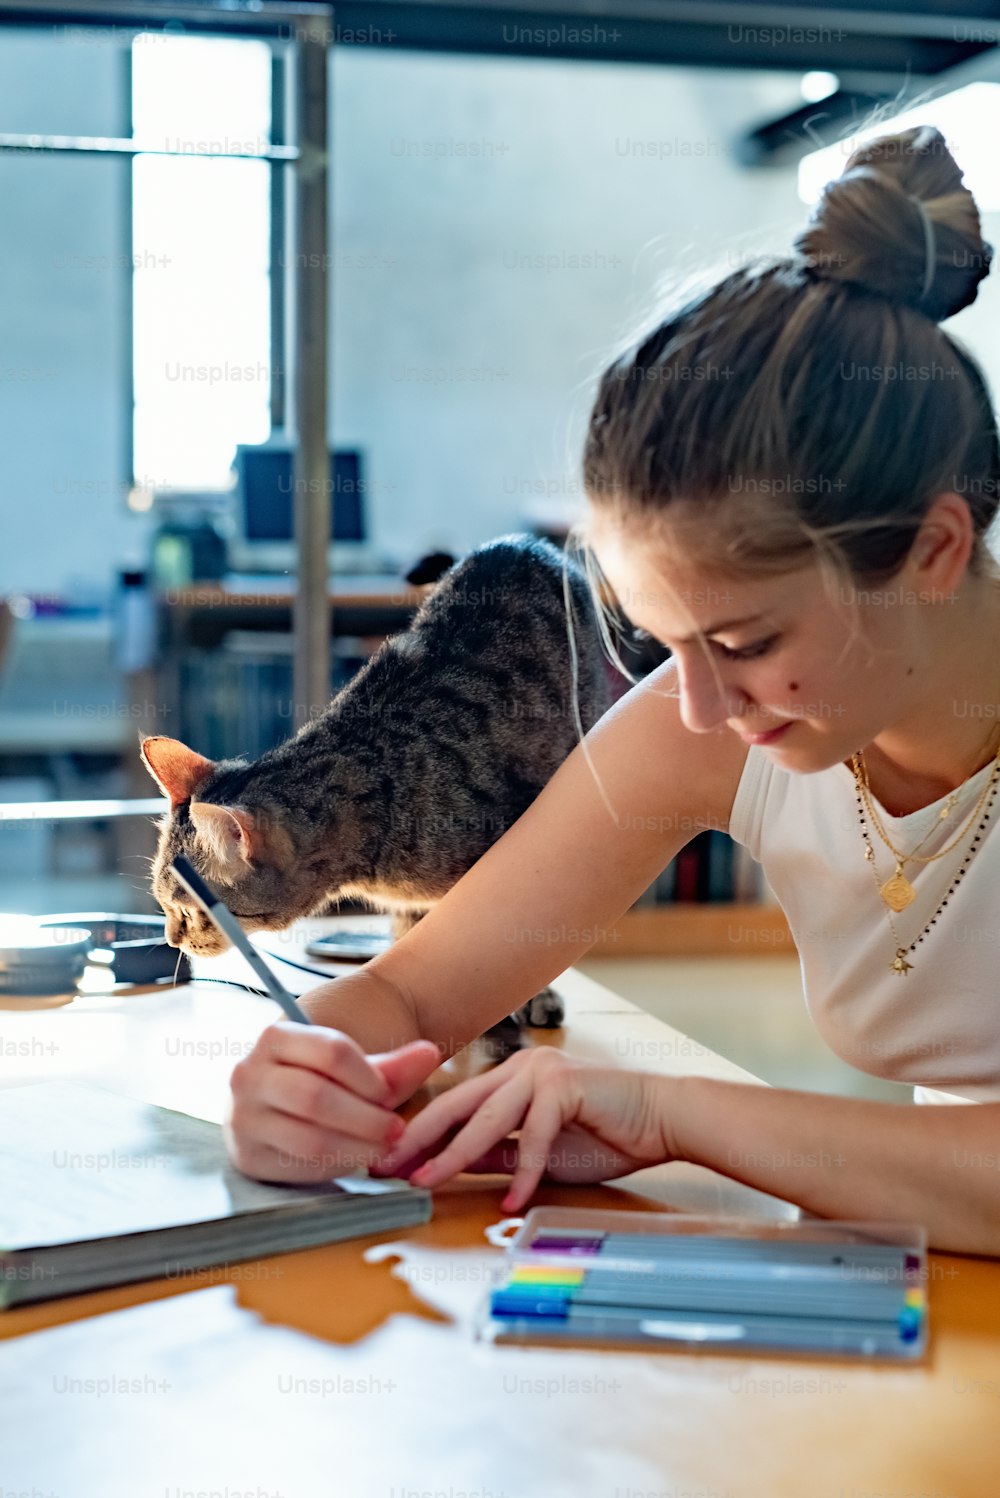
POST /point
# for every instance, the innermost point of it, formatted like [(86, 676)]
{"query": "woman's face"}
[(809, 672)]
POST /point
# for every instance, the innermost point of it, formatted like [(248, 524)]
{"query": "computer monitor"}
[(266, 491), (265, 509)]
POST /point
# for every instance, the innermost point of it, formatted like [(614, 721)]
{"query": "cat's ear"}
[(177, 770), (228, 834)]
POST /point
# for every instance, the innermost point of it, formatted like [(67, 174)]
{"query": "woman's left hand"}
[(578, 1122)]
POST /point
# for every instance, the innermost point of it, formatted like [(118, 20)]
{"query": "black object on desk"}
[(137, 945)]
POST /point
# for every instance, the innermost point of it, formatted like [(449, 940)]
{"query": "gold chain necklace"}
[(901, 964), (897, 891)]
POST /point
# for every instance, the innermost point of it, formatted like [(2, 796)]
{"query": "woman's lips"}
[(771, 737)]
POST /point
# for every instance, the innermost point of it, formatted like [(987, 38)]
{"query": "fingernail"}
[(395, 1131)]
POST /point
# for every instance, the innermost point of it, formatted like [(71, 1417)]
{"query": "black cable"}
[(235, 983), (315, 971)]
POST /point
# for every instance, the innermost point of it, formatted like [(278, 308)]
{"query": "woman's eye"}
[(748, 652)]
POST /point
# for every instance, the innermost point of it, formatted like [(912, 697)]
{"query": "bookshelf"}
[(224, 668)]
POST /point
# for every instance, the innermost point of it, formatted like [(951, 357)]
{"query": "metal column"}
[(311, 473)]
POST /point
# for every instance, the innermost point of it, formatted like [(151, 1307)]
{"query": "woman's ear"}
[(177, 770), (942, 547)]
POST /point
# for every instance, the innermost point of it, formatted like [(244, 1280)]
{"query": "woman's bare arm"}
[(848, 1157), (542, 895), (837, 1157), (314, 1100)]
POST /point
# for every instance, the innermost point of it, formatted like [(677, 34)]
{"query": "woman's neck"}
[(902, 792), (952, 728)]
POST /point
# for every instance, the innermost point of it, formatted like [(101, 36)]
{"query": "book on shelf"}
[(710, 869), (236, 700)]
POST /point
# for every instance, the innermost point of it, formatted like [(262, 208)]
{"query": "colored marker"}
[(532, 1299), (766, 1332)]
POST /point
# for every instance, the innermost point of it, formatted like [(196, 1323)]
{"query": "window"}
[(201, 257)]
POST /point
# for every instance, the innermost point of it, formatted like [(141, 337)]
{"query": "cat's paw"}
[(543, 1012)]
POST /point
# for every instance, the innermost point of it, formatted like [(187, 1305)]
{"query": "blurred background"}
[(512, 193)]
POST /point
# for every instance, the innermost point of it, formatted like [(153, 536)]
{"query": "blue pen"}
[(226, 922)]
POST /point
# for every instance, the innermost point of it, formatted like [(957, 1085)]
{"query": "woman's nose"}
[(706, 700)]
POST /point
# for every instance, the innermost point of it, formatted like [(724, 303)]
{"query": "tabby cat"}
[(419, 763)]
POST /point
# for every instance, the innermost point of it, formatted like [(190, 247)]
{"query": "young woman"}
[(790, 482)]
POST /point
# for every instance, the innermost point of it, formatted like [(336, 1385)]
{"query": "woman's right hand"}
[(308, 1103)]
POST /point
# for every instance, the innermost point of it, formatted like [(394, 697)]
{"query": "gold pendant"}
[(897, 891), (899, 963)]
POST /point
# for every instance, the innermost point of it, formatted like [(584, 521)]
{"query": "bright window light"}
[(816, 86), (201, 258), (969, 119)]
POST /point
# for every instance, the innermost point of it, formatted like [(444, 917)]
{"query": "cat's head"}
[(247, 857)]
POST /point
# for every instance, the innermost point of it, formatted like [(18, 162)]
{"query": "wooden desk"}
[(389, 1397)]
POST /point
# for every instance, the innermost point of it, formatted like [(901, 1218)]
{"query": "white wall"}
[(454, 182), (429, 279), (63, 309)]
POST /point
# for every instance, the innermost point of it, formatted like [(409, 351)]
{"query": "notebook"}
[(100, 1189)]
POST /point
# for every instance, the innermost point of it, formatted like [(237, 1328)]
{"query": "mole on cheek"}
[(793, 686)]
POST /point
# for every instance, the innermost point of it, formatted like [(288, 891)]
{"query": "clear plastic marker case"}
[(717, 1284)]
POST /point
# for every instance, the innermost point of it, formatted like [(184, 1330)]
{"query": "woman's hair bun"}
[(900, 223)]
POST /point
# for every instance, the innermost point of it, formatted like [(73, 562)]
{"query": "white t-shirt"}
[(937, 1026)]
